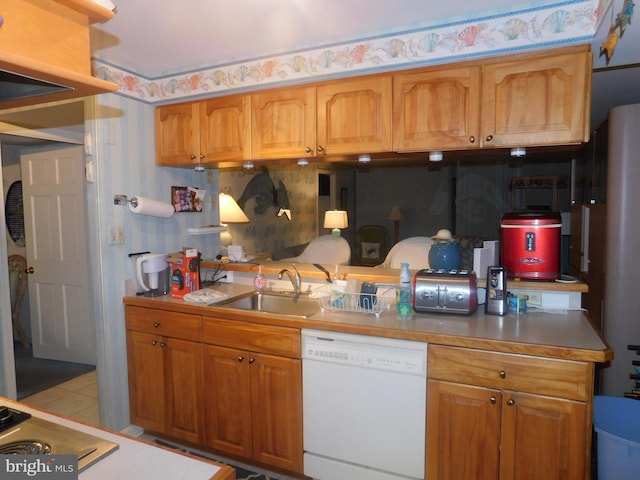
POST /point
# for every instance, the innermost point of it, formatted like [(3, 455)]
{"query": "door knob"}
[(30, 270)]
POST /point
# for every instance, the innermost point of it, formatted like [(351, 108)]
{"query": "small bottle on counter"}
[(260, 281), (404, 294)]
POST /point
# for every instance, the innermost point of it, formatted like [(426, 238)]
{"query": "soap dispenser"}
[(260, 281), (404, 294)]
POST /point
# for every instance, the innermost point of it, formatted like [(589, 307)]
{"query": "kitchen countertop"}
[(559, 334), (372, 274), (135, 458)]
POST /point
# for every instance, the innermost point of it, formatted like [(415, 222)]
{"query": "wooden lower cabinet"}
[(165, 385), (481, 431), (254, 399)]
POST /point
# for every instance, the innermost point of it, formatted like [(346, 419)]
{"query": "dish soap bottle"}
[(260, 281), (404, 294)]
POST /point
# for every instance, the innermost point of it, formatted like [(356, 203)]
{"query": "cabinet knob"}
[(493, 400), (162, 344), (503, 374), (511, 402), (320, 149), (154, 342), (201, 156), (251, 360), (489, 138), (156, 324), (30, 270), (241, 358), (192, 157), (308, 149), (472, 139)]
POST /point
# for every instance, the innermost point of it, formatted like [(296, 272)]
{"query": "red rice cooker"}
[(531, 244)]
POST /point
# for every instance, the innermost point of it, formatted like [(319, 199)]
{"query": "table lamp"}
[(396, 216), (335, 219), (230, 212)]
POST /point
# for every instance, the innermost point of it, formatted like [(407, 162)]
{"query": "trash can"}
[(617, 424)]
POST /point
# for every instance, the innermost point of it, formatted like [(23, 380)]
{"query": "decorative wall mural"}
[(266, 195), (616, 30)]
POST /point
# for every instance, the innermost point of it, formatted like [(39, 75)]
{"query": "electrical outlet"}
[(535, 298), (116, 235), (225, 276)]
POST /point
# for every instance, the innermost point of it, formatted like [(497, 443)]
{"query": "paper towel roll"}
[(153, 208)]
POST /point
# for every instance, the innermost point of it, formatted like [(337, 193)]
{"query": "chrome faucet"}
[(296, 281)]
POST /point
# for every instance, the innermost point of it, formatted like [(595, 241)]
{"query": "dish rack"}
[(333, 297)]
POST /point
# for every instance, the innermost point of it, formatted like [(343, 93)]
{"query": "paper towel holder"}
[(123, 200)]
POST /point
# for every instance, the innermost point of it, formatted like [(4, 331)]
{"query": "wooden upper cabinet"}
[(354, 116), (177, 136), (283, 123), (225, 128), (204, 132), (436, 109), (537, 99)]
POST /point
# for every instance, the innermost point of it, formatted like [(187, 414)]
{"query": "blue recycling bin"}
[(616, 421)]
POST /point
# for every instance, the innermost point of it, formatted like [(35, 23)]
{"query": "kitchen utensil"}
[(322, 269)]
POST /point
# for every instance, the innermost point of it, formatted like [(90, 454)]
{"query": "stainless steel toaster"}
[(445, 291)]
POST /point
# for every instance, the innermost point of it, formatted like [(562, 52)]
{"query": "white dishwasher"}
[(364, 407)]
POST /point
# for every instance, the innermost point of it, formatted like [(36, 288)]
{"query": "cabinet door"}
[(227, 400), (276, 399), (177, 136), (354, 116), (225, 129), (184, 390), (436, 109), (463, 432), (537, 100), (543, 437), (283, 123), (146, 381)]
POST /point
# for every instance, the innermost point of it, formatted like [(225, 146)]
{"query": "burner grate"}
[(25, 447)]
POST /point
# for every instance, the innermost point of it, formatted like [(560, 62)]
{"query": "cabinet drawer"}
[(524, 373), (161, 322), (251, 336)]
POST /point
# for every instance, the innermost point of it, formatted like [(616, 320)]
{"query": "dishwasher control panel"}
[(377, 353)]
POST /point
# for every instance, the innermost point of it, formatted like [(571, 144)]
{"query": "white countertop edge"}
[(135, 459)]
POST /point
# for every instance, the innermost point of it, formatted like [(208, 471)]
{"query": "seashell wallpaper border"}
[(564, 23)]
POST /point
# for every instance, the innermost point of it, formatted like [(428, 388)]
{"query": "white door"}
[(53, 187)]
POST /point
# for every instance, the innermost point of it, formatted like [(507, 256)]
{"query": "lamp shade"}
[(336, 219), (230, 211), (395, 214)]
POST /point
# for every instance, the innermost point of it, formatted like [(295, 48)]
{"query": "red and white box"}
[(185, 272)]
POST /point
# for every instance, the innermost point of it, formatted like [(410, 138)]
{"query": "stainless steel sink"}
[(283, 303)]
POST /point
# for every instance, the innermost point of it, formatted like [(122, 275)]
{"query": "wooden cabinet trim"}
[(545, 376), (252, 337), (163, 323)]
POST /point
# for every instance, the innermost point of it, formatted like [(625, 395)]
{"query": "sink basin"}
[(275, 303)]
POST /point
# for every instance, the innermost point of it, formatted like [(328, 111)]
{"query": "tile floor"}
[(76, 398)]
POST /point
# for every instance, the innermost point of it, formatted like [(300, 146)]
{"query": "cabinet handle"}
[(162, 344), (308, 150), (201, 156), (511, 402), (192, 157), (241, 358), (320, 149), (503, 374), (493, 400), (472, 139), (251, 360), (154, 342), (489, 138), (156, 324)]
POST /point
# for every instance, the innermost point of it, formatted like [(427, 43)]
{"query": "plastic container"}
[(404, 293), (617, 423), (260, 282)]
